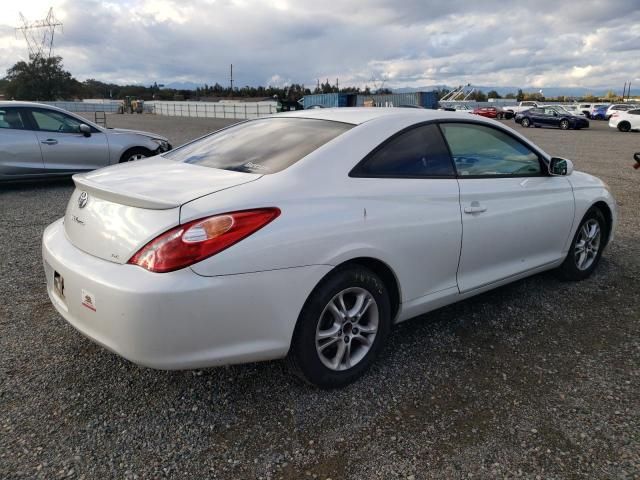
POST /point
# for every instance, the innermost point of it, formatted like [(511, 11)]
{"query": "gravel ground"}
[(539, 379)]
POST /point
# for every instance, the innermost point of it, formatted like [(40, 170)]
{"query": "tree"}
[(478, 96), (40, 79), (510, 96), (493, 94), (520, 95)]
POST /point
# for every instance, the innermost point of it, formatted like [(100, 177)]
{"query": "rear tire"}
[(624, 126), (342, 328), (525, 122), (586, 248)]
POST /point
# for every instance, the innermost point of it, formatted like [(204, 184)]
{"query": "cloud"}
[(409, 43)]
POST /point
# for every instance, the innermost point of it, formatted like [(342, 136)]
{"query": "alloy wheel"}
[(587, 244), (347, 328)]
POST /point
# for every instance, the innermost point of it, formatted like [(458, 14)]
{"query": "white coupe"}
[(307, 235)]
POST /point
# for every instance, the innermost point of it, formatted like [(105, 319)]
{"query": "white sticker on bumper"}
[(89, 300)]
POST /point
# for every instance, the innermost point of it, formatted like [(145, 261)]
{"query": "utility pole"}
[(629, 92), (232, 78), (337, 85)]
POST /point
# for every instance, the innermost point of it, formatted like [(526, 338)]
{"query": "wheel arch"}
[(608, 216), (126, 152), (380, 268)]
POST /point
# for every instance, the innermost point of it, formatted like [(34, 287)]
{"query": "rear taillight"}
[(192, 242)]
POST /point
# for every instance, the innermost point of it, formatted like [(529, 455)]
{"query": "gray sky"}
[(411, 43)]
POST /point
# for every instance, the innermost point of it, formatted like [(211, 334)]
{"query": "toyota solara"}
[(307, 235)]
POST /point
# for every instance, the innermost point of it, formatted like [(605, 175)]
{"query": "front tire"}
[(342, 328), (136, 153), (586, 247), (564, 124)]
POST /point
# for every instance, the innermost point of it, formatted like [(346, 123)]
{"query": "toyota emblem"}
[(82, 199)]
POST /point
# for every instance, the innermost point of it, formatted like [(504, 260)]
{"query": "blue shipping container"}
[(327, 100), (418, 99)]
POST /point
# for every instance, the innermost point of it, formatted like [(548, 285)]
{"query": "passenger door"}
[(19, 148), (515, 217), (411, 196), (64, 148)]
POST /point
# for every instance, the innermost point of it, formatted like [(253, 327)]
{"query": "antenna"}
[(39, 34)]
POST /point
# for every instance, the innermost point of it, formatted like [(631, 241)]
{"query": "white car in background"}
[(619, 107), (308, 234), (625, 121), (574, 109)]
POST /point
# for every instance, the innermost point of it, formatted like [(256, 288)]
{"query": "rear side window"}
[(12, 118), (260, 146), (478, 150), (419, 152)]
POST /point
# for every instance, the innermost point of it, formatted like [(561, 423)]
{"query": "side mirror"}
[(85, 129), (560, 166)]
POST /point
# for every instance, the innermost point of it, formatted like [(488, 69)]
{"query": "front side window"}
[(52, 121), (479, 150), (12, 118), (419, 152), (634, 112), (262, 146)]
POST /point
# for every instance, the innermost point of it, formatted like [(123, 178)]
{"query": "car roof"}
[(358, 115)]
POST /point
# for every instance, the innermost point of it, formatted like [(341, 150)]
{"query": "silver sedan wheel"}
[(347, 328), (587, 244), (135, 156)]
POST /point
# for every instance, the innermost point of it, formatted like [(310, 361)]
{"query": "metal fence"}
[(213, 109)]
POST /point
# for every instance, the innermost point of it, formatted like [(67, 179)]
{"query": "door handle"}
[(50, 141), (475, 208)]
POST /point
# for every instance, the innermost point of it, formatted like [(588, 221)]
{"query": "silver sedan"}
[(38, 140)]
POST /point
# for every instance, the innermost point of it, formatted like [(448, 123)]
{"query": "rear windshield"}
[(260, 146)]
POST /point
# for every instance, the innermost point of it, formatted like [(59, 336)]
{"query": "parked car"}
[(585, 108), (574, 109), (489, 112), (625, 121), (598, 112), (235, 248), (520, 107), (38, 140), (492, 112), (551, 117), (619, 107)]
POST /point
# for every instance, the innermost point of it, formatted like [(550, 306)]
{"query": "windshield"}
[(262, 146)]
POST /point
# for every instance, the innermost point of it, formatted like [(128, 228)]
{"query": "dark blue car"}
[(551, 117)]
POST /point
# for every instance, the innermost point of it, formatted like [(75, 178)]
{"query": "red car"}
[(489, 112)]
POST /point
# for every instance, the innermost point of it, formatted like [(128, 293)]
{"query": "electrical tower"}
[(39, 34)]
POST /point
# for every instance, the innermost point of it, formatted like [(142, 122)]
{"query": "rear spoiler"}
[(113, 195)]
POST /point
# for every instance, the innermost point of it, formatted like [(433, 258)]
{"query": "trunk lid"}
[(116, 210)]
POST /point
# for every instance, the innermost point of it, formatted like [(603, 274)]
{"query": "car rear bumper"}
[(176, 320)]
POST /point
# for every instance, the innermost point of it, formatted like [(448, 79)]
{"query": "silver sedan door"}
[(64, 147), (19, 149)]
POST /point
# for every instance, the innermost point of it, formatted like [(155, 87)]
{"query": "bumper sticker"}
[(89, 300)]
